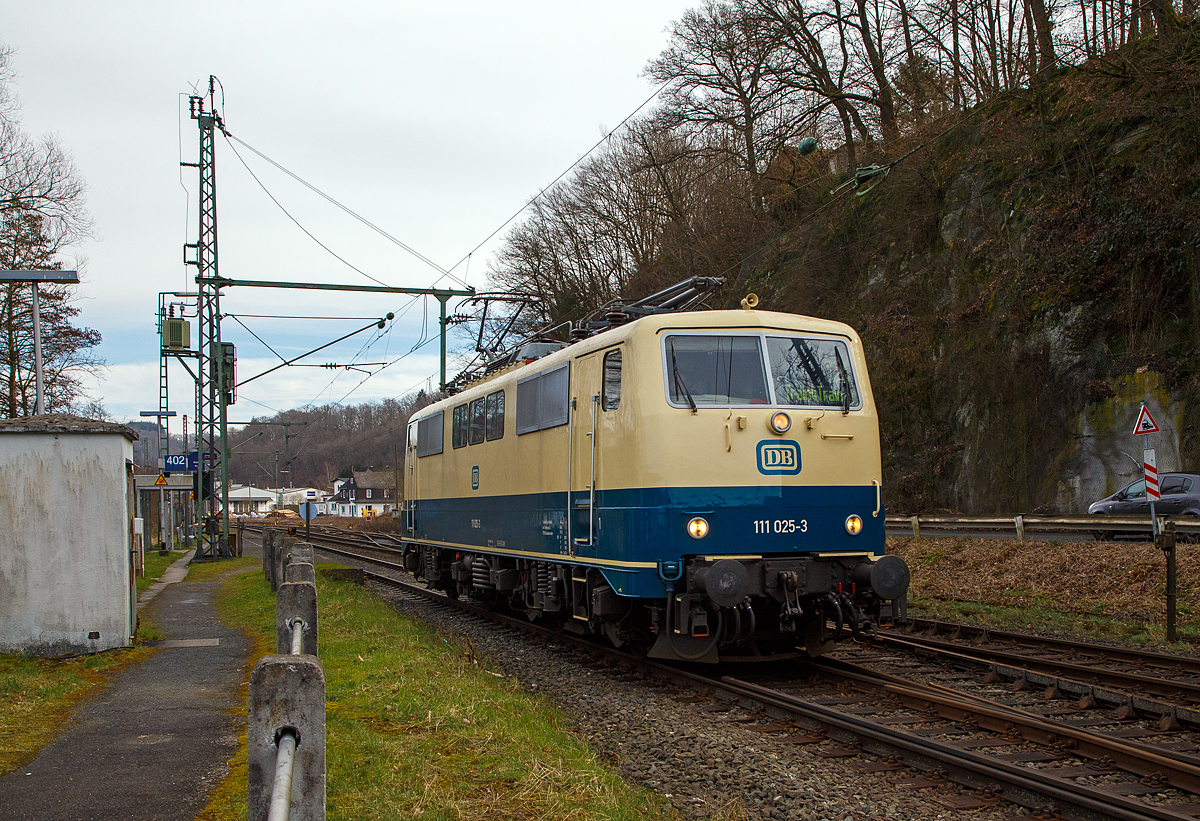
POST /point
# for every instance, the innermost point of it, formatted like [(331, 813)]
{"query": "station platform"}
[(156, 740)]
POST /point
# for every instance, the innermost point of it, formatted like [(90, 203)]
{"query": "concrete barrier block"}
[(287, 693), (283, 548), (300, 572), (268, 555), (303, 552), (296, 600)]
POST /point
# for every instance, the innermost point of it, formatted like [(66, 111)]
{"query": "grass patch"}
[(156, 565), (419, 727), (1089, 626), (38, 695), (1096, 590)]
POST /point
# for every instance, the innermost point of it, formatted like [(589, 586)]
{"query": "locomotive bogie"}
[(691, 482)]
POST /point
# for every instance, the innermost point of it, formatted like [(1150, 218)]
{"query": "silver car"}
[(1179, 496)]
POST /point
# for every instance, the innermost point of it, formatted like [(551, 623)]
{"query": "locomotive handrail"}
[(1021, 526)]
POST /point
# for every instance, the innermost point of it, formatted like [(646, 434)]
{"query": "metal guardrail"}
[(1024, 527)]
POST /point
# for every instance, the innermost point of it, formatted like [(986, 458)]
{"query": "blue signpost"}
[(308, 511)]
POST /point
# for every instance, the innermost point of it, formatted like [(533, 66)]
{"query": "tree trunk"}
[(887, 111), (1043, 25)]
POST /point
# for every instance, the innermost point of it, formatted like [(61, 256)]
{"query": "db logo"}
[(778, 456)]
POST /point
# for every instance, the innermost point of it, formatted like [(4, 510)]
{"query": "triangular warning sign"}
[(162, 480), (1145, 423)]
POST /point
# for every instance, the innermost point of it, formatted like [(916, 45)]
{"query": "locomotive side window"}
[(429, 434), (542, 400), (476, 432), (812, 372), (611, 396), (458, 427), (715, 371), (495, 415)]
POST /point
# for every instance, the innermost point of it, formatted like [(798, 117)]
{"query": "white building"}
[(66, 576), (249, 501)]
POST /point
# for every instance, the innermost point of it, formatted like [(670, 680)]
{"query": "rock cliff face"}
[(1023, 281), (1107, 455)]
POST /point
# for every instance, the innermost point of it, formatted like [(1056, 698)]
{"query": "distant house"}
[(366, 494), (245, 501), (299, 495)]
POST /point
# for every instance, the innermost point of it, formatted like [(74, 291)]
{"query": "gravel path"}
[(710, 763)]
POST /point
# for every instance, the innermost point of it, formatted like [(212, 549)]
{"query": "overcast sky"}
[(435, 122)]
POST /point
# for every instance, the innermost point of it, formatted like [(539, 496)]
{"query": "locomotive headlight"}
[(781, 422), (853, 525), (697, 528)]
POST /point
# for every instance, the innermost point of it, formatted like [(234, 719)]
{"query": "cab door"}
[(410, 482), (585, 408)]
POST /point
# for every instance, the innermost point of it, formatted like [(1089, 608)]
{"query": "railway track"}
[(1063, 729)]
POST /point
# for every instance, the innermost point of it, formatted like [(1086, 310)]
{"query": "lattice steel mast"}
[(211, 389)]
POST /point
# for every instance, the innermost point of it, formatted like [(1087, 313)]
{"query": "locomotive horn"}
[(750, 301)]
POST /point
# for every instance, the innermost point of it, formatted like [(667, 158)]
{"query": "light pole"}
[(166, 518), (33, 278)]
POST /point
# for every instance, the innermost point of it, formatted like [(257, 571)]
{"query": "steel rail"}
[(1037, 729), (1028, 787), (1021, 785), (1157, 685), (1097, 693), (960, 630)]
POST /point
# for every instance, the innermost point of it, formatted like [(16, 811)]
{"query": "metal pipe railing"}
[(286, 782), (285, 765), (297, 626)]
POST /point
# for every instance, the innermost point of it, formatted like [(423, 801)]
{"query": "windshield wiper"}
[(845, 382), (679, 383)]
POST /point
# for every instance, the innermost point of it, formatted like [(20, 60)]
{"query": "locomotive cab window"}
[(477, 422), (458, 427), (714, 371), (611, 396), (494, 412), (812, 372)]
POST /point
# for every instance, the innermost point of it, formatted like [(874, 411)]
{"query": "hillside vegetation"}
[(1021, 265), (1008, 273)]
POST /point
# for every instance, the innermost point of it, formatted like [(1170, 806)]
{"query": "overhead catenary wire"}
[(424, 337), (231, 138), (565, 172), (288, 214), (284, 316)]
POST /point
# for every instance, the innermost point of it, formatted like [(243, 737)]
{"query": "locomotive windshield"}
[(709, 370), (716, 371), (811, 372)]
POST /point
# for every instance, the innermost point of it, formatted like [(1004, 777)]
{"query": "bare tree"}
[(717, 71), (42, 212)]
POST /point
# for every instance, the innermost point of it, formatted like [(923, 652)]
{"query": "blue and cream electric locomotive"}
[(704, 484)]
